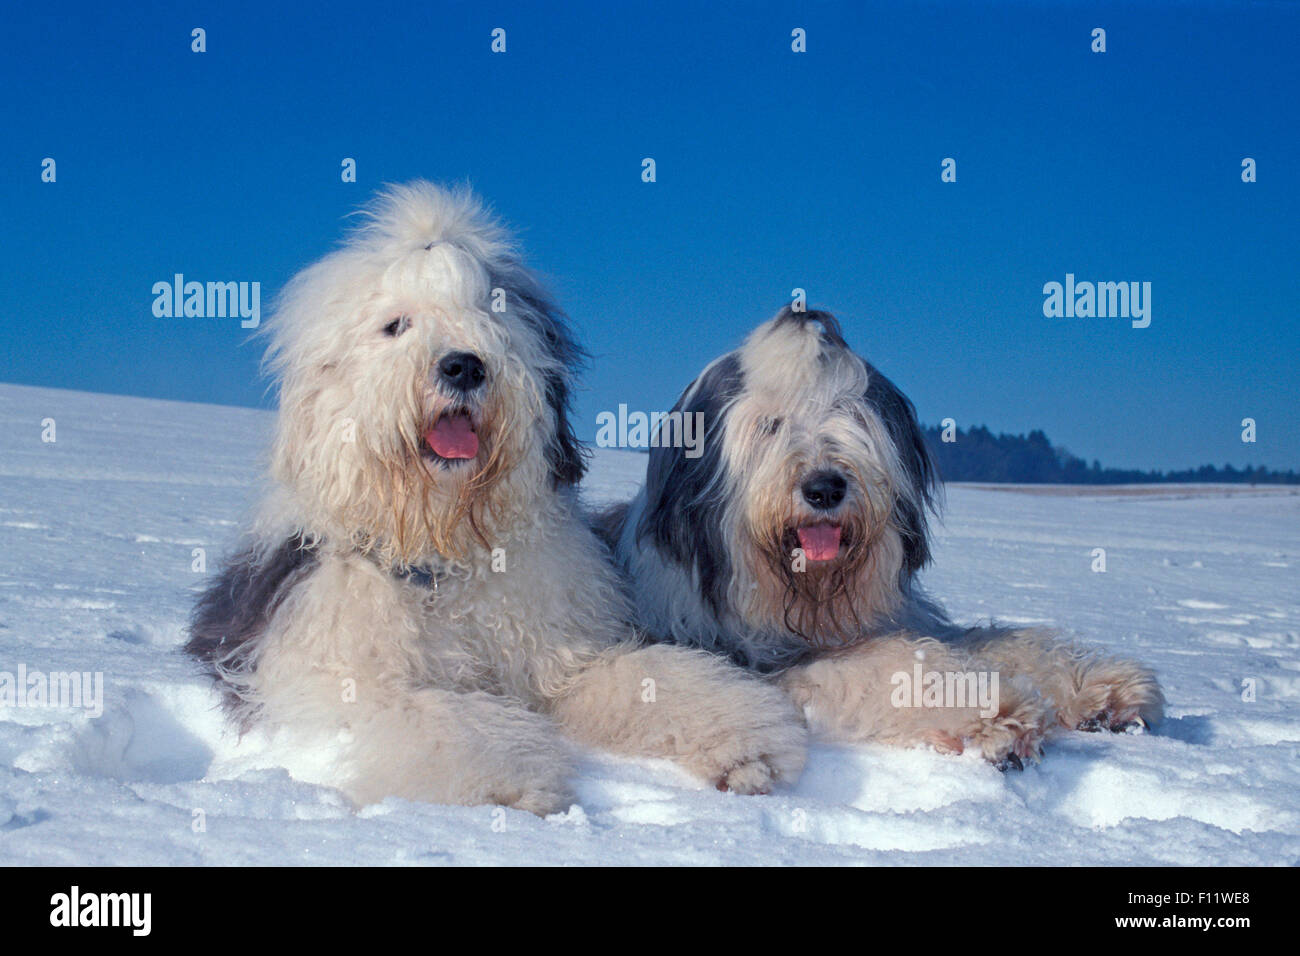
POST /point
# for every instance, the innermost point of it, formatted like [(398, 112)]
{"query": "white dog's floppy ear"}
[(565, 456)]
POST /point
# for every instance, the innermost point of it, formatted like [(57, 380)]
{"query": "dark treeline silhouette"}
[(979, 455)]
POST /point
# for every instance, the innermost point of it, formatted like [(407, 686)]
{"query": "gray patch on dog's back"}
[(232, 614)]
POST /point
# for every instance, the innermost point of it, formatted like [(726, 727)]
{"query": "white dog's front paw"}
[(541, 795), (473, 782), (519, 762), (715, 720), (751, 748), (467, 749), (756, 776)]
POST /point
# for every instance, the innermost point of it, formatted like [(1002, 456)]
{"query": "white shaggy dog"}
[(419, 588), (791, 544)]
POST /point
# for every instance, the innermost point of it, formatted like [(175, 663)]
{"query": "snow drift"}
[(102, 530)]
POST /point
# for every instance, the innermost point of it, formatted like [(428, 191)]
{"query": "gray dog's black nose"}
[(824, 490), (463, 371)]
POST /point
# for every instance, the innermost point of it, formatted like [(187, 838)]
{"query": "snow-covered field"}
[(97, 534)]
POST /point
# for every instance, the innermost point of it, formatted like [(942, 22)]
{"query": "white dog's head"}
[(806, 511), (424, 377)]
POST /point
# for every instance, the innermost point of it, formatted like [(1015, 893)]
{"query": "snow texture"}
[(97, 534)]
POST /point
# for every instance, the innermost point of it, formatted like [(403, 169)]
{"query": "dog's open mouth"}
[(820, 542), (453, 437)]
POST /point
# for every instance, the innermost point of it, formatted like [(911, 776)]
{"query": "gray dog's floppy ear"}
[(525, 296), (685, 497), (899, 416)]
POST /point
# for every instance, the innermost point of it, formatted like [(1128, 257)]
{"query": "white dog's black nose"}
[(824, 490), (463, 371)]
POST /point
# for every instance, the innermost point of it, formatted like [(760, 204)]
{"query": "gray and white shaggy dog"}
[(419, 594), (790, 544)]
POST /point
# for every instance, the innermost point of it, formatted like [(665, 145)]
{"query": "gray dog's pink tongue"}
[(820, 542), (453, 437)]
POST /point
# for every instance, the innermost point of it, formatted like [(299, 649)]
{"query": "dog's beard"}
[(447, 506), (818, 600), (832, 602)]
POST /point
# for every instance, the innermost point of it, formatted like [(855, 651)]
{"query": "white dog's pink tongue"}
[(453, 437), (820, 542)]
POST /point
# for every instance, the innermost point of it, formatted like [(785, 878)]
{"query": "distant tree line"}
[(979, 455)]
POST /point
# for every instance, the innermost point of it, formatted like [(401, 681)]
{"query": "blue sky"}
[(775, 170)]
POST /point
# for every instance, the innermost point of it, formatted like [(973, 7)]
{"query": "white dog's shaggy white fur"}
[(419, 584), (791, 544)]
